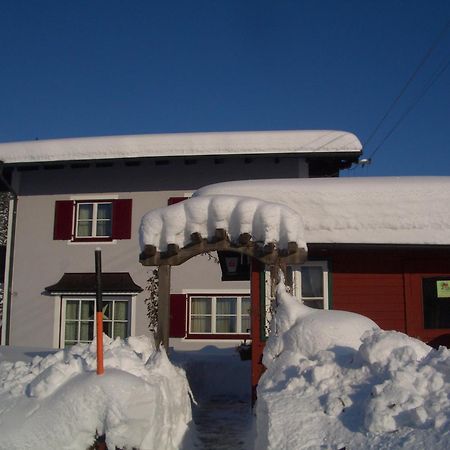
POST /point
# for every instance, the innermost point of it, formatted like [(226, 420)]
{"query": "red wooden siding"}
[(371, 284), (63, 224), (178, 304), (121, 219), (384, 283)]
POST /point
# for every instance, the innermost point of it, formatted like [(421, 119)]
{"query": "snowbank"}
[(336, 380), (377, 210), (264, 221), (58, 401)]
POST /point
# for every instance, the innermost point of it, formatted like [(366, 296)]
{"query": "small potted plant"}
[(245, 350)]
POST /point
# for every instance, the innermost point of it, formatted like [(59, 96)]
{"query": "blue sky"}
[(89, 68)]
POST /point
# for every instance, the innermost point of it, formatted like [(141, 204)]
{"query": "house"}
[(74, 195), (375, 246)]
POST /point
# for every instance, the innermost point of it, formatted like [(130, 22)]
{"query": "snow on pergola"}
[(261, 229)]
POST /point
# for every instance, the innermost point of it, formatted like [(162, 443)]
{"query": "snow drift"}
[(142, 400), (335, 380)]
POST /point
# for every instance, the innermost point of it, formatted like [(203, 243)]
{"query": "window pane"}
[(72, 309), (84, 229), (200, 305), (120, 310), (71, 331), (226, 305), (318, 304), (104, 228), (87, 310), (104, 211), (436, 307), (226, 324), (245, 305), (107, 310), (85, 211), (201, 324), (245, 324), (289, 281), (107, 328), (87, 331), (120, 329), (312, 282)]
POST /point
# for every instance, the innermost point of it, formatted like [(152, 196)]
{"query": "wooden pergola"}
[(261, 254)]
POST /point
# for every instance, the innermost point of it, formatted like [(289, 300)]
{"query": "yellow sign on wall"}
[(443, 288)]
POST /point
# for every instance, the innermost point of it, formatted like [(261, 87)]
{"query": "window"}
[(307, 282), (436, 302), (79, 314), (219, 314), (92, 220)]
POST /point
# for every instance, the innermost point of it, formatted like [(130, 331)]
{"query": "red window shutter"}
[(177, 327), (121, 219), (63, 225), (173, 200)]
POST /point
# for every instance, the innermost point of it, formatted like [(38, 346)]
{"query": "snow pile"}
[(266, 222), (335, 380), (383, 210), (142, 400), (181, 144)]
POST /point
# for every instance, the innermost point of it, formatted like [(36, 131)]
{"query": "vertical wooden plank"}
[(162, 335), (257, 339)]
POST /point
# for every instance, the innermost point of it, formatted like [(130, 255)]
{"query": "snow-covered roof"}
[(180, 144), (378, 210)]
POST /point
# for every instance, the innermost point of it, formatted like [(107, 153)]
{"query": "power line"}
[(436, 75), (422, 62)]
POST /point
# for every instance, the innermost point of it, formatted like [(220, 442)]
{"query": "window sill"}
[(92, 241), (224, 336)]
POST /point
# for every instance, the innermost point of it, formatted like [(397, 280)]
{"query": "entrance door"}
[(427, 294)]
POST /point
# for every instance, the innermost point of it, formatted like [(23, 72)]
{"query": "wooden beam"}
[(162, 335), (267, 254)]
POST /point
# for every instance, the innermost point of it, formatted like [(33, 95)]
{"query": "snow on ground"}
[(335, 380), (264, 221), (376, 210), (58, 401), (221, 384)]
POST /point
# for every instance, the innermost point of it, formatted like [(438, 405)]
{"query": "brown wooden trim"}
[(267, 254)]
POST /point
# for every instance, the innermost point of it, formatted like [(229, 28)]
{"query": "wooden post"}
[(258, 341), (99, 313), (162, 335)]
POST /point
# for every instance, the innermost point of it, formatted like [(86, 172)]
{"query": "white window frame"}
[(297, 277), (130, 299), (94, 219), (213, 314)]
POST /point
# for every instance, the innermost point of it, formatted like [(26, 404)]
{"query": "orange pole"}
[(99, 313), (99, 318)]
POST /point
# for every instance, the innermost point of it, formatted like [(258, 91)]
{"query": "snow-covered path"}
[(224, 423), (221, 385)]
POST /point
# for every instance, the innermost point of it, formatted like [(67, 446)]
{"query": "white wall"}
[(40, 261)]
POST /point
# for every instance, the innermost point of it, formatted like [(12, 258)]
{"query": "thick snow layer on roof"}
[(383, 210), (265, 221), (180, 144), (358, 386)]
